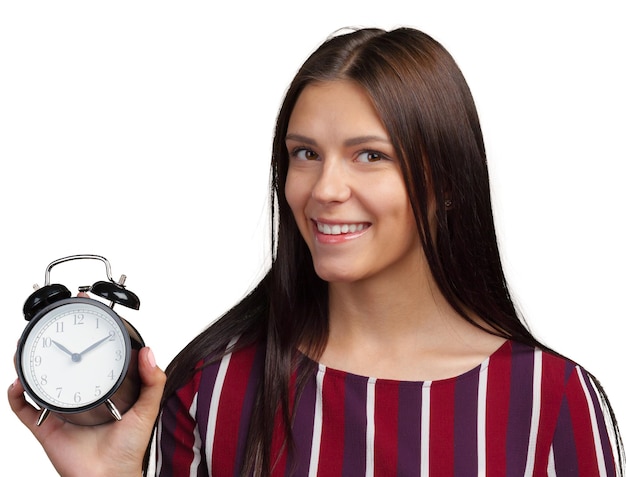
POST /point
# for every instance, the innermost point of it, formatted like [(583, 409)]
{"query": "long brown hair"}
[(427, 108)]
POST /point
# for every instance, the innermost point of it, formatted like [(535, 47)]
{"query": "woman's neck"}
[(405, 331)]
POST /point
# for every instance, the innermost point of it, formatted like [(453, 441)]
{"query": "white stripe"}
[(193, 469), (369, 438), (214, 406), (536, 411), (317, 422), (551, 466), (425, 436), (481, 437), (159, 461), (594, 425)]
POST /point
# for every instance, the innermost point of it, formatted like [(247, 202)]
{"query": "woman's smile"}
[(338, 232)]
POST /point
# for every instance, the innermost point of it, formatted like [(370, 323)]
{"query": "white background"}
[(141, 131)]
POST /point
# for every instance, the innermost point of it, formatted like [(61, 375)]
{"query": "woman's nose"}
[(332, 184)]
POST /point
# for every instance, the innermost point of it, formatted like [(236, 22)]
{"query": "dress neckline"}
[(482, 366)]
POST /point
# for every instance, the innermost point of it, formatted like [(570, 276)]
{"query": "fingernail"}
[(151, 358)]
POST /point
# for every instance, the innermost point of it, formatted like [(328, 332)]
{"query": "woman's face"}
[(345, 187)]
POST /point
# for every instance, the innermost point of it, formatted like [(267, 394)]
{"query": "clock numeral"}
[(111, 335), (43, 379), (37, 360), (97, 392), (46, 342), (77, 398), (111, 375), (118, 355), (60, 327), (79, 319), (59, 391)]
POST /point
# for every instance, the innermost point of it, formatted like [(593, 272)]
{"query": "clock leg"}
[(113, 410), (43, 416)]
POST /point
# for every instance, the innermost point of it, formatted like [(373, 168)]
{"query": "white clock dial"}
[(74, 355)]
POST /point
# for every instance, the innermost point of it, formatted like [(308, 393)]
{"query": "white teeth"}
[(339, 229)]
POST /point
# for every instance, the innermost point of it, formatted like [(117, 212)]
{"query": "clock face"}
[(73, 355)]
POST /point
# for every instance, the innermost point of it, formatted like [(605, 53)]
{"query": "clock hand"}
[(75, 356), (95, 345), (62, 348)]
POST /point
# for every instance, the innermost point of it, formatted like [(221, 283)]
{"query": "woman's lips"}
[(338, 232)]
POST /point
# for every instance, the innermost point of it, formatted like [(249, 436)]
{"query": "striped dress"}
[(522, 412)]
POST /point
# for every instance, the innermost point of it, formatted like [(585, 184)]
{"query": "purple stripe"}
[(409, 427), (564, 445), (565, 459), (569, 369), (205, 392), (298, 461), (604, 437), (256, 372), (520, 408), (466, 425), (168, 421), (355, 426)]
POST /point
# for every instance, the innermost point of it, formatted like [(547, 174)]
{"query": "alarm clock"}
[(77, 357)]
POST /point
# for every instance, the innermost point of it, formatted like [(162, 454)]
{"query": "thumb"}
[(153, 383)]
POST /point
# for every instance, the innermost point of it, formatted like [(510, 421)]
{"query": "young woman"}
[(383, 339)]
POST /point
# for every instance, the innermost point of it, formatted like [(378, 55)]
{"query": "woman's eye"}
[(305, 154), (369, 156)]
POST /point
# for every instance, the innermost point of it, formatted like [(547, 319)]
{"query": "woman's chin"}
[(336, 274)]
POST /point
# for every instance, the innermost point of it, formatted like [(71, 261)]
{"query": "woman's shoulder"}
[(229, 371), (542, 364), (222, 386), (538, 377), (536, 358)]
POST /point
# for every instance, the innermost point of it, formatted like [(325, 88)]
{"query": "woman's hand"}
[(112, 449)]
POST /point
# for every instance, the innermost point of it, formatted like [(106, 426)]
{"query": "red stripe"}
[(583, 431), (183, 433), (386, 428), (278, 451), (441, 439), (333, 425), (552, 386), (230, 408), (497, 412)]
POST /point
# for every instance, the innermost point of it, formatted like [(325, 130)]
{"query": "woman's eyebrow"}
[(300, 138), (354, 141)]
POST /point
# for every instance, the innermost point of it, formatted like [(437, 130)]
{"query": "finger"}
[(153, 379), (22, 409)]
